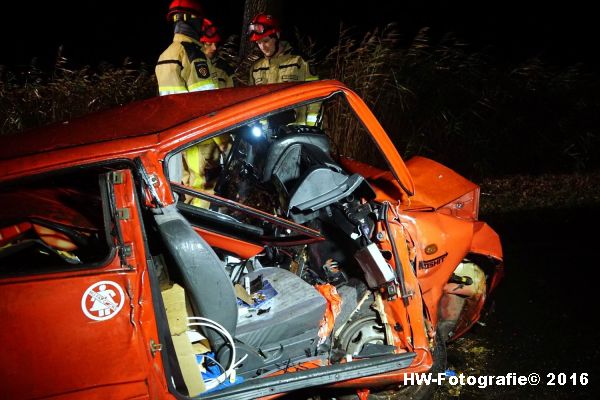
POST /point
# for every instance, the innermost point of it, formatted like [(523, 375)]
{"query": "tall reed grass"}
[(464, 109), (31, 97), (436, 98)]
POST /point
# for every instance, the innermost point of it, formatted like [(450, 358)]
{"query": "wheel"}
[(420, 392), (361, 331), (369, 330)]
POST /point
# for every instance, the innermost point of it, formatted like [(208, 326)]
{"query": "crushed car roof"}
[(135, 119)]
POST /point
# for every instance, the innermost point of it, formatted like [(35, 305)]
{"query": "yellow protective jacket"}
[(286, 66), (223, 79), (183, 67), (201, 168)]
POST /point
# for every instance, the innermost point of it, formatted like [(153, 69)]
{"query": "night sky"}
[(95, 31)]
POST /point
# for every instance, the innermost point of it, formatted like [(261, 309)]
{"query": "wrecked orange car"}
[(210, 245)]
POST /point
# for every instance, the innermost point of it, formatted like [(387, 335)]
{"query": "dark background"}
[(95, 31), (543, 318)]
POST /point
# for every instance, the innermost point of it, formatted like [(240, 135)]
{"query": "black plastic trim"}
[(313, 377)]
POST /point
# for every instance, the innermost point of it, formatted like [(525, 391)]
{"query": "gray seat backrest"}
[(279, 147), (204, 277)]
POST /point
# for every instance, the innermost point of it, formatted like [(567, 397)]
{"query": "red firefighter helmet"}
[(210, 33), (184, 7), (263, 25)]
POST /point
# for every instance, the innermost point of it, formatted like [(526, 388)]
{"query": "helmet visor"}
[(258, 28)]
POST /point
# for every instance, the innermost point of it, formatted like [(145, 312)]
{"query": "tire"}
[(416, 392), (421, 392), (365, 327)]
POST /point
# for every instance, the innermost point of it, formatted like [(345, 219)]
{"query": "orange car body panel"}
[(115, 356), (435, 184), (56, 349)]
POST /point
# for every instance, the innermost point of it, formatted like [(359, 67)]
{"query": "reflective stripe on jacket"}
[(182, 68)]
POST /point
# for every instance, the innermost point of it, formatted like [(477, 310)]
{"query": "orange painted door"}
[(75, 329)]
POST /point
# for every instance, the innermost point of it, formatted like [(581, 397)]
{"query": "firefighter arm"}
[(169, 72), (224, 80), (192, 176), (187, 174), (201, 165), (228, 81), (224, 143), (168, 75), (307, 72)]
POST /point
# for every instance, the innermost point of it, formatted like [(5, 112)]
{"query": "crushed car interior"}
[(274, 183), (59, 222)]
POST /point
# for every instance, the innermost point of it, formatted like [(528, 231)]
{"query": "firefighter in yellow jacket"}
[(202, 165), (183, 67), (209, 41), (280, 62)]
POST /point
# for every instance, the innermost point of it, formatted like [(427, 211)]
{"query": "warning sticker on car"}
[(103, 300)]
